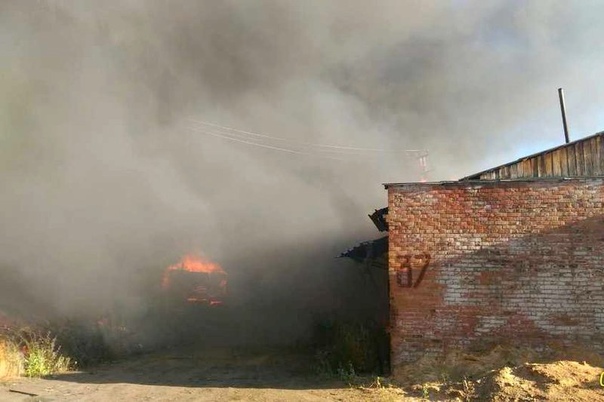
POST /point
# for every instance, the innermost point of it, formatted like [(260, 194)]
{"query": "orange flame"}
[(194, 263), (191, 263)]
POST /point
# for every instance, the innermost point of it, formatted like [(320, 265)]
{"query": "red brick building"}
[(515, 253)]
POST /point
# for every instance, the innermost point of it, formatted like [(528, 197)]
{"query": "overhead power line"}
[(292, 151), (244, 142), (326, 147), (335, 152)]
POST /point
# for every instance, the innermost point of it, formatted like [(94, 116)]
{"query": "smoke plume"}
[(109, 172)]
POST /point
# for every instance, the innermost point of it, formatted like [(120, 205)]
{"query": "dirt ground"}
[(562, 381), (224, 374), (262, 374), (508, 373)]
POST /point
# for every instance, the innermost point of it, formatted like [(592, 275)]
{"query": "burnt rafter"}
[(369, 250), (379, 219), (374, 252)]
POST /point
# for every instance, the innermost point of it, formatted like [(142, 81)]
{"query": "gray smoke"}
[(106, 178)]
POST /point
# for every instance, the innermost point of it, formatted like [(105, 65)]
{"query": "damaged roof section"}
[(379, 219), (373, 252)]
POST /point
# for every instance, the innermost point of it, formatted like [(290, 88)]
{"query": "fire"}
[(195, 280), (191, 263)]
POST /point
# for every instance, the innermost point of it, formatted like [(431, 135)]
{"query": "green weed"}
[(41, 354), (425, 391)]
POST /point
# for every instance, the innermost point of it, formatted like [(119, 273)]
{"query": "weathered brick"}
[(521, 260)]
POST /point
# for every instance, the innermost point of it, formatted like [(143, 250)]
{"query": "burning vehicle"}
[(194, 280)]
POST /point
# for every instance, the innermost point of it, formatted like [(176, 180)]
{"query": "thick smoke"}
[(106, 178)]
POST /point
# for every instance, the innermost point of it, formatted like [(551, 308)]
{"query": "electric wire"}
[(292, 151), (327, 147)]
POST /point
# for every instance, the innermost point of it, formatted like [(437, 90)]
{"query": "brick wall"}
[(476, 263)]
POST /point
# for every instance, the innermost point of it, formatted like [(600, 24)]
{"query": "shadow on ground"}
[(211, 367)]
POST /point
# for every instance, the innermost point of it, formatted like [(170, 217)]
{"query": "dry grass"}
[(380, 389), (58, 346), (11, 360), (345, 349), (31, 353), (41, 354)]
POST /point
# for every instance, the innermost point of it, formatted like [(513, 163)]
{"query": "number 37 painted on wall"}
[(404, 275)]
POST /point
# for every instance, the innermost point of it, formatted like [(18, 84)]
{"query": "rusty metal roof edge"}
[(492, 181), (473, 176)]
